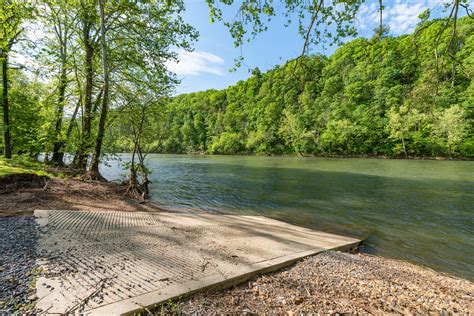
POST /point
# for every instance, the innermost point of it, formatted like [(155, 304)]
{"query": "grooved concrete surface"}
[(119, 262)]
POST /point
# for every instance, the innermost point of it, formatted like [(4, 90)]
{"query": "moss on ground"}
[(20, 165)]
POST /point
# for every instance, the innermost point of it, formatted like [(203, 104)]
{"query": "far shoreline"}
[(377, 157)]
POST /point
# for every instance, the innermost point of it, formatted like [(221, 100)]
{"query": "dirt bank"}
[(23, 197), (12, 182)]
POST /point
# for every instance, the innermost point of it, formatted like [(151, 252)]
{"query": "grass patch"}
[(21, 165)]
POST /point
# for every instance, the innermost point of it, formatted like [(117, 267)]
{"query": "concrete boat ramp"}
[(109, 263)]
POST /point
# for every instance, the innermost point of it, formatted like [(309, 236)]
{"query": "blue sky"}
[(207, 67)]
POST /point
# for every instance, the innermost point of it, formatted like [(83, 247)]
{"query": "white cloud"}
[(400, 16), (197, 63), (367, 15), (403, 17)]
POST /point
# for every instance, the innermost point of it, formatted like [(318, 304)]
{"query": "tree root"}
[(135, 192), (93, 176)]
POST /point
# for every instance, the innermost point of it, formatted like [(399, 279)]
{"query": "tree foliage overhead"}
[(319, 21), (386, 97)]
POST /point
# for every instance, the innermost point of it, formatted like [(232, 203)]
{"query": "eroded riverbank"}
[(68, 194)]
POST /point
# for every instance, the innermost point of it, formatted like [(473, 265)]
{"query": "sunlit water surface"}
[(420, 211)]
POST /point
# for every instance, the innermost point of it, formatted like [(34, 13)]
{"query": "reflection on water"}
[(421, 211)]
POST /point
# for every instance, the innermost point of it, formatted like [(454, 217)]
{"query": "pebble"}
[(18, 236), (342, 283)]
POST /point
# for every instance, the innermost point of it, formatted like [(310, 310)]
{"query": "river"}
[(416, 210)]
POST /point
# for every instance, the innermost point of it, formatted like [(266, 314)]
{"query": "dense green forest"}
[(390, 97)]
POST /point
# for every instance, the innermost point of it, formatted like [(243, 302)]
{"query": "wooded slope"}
[(399, 96)]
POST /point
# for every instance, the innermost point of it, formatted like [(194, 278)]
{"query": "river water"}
[(420, 211)]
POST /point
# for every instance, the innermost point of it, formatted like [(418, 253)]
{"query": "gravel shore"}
[(17, 263), (335, 282)]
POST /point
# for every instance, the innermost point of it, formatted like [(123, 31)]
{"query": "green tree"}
[(293, 133), (55, 16), (141, 33), (451, 128), (13, 13), (402, 122)]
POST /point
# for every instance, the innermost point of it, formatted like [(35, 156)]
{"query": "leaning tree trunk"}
[(94, 168), (6, 115), (58, 154)]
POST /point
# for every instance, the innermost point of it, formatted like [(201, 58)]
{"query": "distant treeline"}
[(411, 95)]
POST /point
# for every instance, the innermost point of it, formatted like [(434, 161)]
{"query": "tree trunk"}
[(97, 101), (79, 105), (132, 183), (449, 151), (94, 168), (437, 70), (86, 124), (380, 19), (404, 148), (58, 155), (453, 43), (73, 118), (144, 188), (6, 116)]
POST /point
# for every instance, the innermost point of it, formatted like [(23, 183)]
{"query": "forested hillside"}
[(399, 96)]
